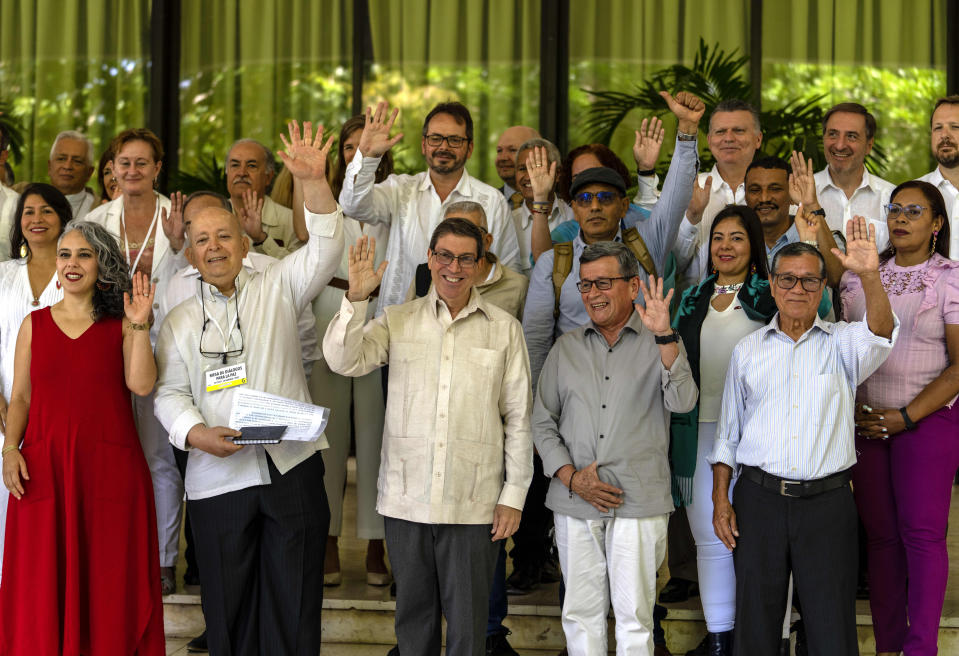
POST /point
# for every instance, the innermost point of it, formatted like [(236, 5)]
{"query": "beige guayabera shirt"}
[(457, 410)]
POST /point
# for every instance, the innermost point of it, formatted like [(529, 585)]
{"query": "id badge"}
[(224, 377)]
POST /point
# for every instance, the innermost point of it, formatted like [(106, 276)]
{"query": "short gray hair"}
[(79, 136), (552, 152), (467, 207), (796, 249), (628, 266), (267, 154)]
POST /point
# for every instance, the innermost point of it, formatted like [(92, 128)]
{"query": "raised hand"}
[(802, 182), (699, 200), (807, 224), (306, 157), (363, 278), (649, 141), (251, 216), (688, 109), (173, 226), (138, 302), (861, 256), (542, 173), (655, 315), (376, 138)]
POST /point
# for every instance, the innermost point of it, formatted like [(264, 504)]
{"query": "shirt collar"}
[(526, 217), (773, 326), (463, 187), (720, 184), (634, 324), (579, 244), (865, 182), (241, 281), (475, 303), (791, 235)]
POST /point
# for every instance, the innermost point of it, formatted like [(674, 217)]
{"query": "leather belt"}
[(792, 488), (339, 283)]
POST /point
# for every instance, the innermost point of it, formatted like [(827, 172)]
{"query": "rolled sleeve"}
[(679, 387)]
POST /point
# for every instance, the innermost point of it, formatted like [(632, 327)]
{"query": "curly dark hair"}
[(53, 198), (113, 273)]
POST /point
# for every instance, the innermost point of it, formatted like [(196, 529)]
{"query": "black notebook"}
[(260, 435)]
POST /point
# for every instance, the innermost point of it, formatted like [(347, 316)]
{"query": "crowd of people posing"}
[(771, 350)]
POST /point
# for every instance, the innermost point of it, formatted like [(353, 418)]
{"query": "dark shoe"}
[(498, 645), (198, 645), (678, 590), (714, 644), (522, 581), (550, 572), (167, 581), (395, 651)]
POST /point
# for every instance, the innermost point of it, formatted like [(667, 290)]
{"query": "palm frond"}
[(12, 128)]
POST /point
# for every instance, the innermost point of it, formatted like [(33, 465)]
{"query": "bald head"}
[(217, 247), (509, 142)]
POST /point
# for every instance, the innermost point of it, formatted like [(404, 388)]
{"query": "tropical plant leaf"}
[(11, 127), (209, 177)]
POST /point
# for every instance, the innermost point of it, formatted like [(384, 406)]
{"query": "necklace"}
[(727, 289)]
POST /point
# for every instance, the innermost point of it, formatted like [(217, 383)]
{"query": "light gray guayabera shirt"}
[(610, 404)]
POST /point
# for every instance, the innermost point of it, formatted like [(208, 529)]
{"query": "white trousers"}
[(717, 575), (366, 394), (167, 483), (610, 560)]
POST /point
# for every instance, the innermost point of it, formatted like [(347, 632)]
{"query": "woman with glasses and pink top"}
[(907, 424)]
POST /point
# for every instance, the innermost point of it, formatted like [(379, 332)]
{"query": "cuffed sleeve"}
[(351, 350)]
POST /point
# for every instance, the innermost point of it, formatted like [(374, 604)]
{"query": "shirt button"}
[(604, 405), (601, 436), (156, 280), (156, 306), (610, 350), (607, 377), (439, 475)]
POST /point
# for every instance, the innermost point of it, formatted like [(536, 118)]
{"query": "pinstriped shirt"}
[(788, 406)]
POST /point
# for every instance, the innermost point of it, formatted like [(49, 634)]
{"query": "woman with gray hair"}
[(81, 574)]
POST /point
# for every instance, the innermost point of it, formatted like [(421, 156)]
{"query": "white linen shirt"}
[(269, 303), (692, 237), (411, 207), (458, 408), (788, 406), (523, 221), (868, 201), (951, 195), (8, 207)]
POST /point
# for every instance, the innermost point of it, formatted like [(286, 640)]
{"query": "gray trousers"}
[(441, 570)]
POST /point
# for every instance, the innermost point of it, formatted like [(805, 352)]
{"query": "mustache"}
[(444, 153), (764, 206), (946, 141)]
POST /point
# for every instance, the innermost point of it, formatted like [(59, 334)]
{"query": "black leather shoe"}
[(522, 581), (678, 590), (198, 645), (498, 645), (714, 644)]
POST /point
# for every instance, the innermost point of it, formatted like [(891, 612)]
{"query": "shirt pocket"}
[(477, 472), (485, 378), (406, 467), (409, 408)]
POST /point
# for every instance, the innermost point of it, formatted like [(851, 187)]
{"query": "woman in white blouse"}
[(28, 282)]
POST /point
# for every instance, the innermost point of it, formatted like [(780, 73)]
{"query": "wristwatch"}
[(667, 339), (819, 212)]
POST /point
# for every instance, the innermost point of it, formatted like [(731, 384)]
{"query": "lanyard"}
[(146, 239), (234, 325)]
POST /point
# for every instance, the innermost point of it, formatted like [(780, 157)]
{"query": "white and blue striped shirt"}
[(788, 406)]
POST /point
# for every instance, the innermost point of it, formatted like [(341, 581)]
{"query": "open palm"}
[(861, 255), (306, 156)]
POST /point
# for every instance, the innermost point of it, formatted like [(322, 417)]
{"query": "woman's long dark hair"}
[(339, 172), (749, 220), (53, 198), (938, 208), (113, 273)]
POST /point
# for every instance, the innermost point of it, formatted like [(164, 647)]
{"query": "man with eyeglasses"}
[(457, 451), (944, 130), (601, 426), (786, 427), (259, 513), (413, 205), (845, 188)]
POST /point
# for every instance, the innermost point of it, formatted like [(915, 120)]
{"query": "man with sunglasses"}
[(786, 427), (457, 451), (413, 205), (259, 513)]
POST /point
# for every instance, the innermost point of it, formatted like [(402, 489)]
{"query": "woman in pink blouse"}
[(907, 424)]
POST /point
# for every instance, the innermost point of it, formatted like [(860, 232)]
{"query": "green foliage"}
[(11, 127), (210, 176)]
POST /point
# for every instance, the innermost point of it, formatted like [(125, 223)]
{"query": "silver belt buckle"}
[(782, 488)]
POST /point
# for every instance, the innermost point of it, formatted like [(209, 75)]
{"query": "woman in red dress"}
[(80, 569)]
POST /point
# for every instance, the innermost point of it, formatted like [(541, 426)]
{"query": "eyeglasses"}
[(453, 140), (788, 281), (467, 260), (585, 199), (912, 212), (602, 284)]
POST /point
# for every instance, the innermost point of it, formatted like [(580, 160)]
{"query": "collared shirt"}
[(277, 223), (610, 405), (457, 410), (8, 207), (951, 195), (659, 233), (183, 285), (503, 288), (523, 221), (411, 207), (788, 406), (269, 304), (80, 204), (868, 201)]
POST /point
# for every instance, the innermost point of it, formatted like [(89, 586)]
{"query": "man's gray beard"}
[(949, 162), (452, 168)]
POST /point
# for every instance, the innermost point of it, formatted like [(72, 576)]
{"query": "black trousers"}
[(532, 542), (260, 552), (441, 570), (816, 539)]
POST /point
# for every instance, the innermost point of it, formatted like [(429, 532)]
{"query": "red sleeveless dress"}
[(81, 572)]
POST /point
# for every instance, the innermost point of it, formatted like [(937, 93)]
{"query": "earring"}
[(752, 268), (935, 235), (102, 286), (58, 284), (24, 251)]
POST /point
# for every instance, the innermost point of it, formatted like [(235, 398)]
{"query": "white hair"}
[(79, 136)]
